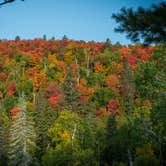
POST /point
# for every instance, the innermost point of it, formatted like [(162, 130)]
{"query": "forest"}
[(76, 103)]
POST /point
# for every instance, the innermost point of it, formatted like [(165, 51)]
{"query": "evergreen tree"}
[(22, 137), (4, 135), (71, 94), (147, 24), (44, 118)]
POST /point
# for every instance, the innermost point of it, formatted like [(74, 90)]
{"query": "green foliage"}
[(58, 157), (8, 103), (136, 23), (70, 92), (72, 89), (44, 117), (102, 96), (22, 137), (4, 135), (146, 161)]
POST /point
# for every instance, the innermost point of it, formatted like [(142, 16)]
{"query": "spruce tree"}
[(44, 116), (22, 137), (70, 92), (4, 135)]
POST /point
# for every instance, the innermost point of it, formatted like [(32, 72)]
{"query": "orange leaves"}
[(98, 67), (13, 113), (86, 92), (113, 82), (102, 111), (3, 76), (38, 77), (39, 80)]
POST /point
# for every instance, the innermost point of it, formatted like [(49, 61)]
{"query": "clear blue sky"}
[(78, 19)]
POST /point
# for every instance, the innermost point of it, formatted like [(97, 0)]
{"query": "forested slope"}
[(65, 102)]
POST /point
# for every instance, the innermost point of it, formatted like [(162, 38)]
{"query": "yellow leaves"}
[(61, 132), (68, 57), (142, 112), (116, 68), (65, 137), (52, 61), (145, 150)]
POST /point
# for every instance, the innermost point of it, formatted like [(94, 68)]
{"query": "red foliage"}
[(54, 99), (113, 106), (132, 61), (53, 93), (11, 89)]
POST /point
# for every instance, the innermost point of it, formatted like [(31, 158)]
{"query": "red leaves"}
[(11, 89), (53, 93), (132, 61), (113, 106), (54, 99)]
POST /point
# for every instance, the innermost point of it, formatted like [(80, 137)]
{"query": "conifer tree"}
[(4, 133), (71, 94), (43, 120), (22, 137)]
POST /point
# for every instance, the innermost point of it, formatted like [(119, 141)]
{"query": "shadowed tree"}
[(148, 24)]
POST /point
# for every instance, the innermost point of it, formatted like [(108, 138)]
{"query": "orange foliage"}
[(13, 113), (98, 67), (113, 82)]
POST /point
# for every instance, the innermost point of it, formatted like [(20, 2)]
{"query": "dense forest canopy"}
[(66, 102)]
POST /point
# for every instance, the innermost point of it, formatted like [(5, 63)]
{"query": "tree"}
[(71, 94), (72, 141), (44, 117), (7, 1), (147, 24), (4, 135), (22, 137)]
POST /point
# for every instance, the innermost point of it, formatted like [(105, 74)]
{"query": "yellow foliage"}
[(145, 150)]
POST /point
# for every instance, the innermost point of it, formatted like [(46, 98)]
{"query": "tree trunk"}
[(130, 157)]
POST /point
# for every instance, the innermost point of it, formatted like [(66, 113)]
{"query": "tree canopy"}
[(144, 24)]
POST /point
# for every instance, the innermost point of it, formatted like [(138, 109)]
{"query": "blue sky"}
[(77, 19)]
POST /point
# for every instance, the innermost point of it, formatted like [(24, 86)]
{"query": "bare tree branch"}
[(7, 1)]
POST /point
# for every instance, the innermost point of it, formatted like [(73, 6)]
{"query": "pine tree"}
[(44, 118), (148, 24), (22, 137), (4, 134), (71, 94)]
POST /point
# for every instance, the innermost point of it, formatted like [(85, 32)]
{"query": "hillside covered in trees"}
[(76, 103)]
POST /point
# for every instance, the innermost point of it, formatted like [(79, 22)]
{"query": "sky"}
[(77, 19)]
